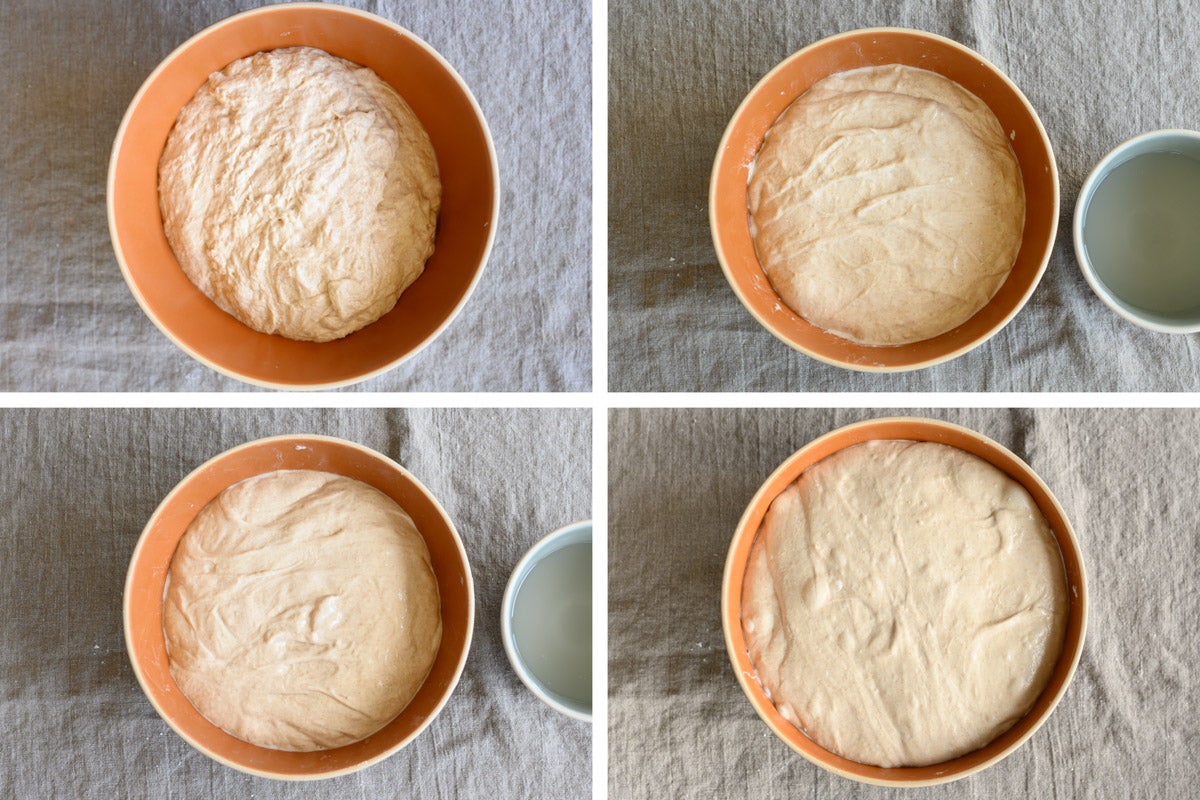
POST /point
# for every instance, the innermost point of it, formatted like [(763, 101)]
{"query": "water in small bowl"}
[(552, 622), (1141, 231)]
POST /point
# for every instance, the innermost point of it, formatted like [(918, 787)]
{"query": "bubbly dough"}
[(301, 610), (300, 193), (904, 603), (886, 204)]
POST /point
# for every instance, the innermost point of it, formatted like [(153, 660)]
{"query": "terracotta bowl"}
[(147, 577), (466, 224), (918, 430), (729, 217)]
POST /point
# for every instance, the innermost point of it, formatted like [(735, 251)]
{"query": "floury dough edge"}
[(301, 611), (300, 193), (904, 603), (887, 206)]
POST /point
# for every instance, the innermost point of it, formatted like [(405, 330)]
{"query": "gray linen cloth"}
[(71, 67), (1096, 74), (76, 491), (679, 724)]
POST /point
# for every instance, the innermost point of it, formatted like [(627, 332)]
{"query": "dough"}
[(300, 193), (886, 205), (904, 603), (301, 610)]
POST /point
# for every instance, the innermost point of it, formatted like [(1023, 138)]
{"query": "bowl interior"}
[(469, 196), (765, 103), (579, 533), (152, 559), (917, 430)]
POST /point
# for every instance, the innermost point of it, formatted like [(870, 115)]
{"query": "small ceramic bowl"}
[(1181, 142), (729, 218), (466, 223), (147, 578), (579, 532), (916, 430)]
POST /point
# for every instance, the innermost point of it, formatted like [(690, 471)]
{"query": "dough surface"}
[(886, 205), (300, 193), (301, 610), (904, 603)]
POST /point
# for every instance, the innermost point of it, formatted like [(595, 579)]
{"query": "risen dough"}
[(301, 610), (904, 603), (300, 193), (887, 205)]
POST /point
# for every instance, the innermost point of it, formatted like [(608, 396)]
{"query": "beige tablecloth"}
[(679, 725), (76, 490), (1097, 74), (71, 67)]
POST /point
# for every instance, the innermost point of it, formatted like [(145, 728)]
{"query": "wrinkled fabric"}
[(679, 724), (74, 722), (69, 323), (680, 68)]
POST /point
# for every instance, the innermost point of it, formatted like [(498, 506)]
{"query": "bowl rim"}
[(732, 565), (183, 734), (1113, 159), (540, 549), (929, 362), (110, 186)]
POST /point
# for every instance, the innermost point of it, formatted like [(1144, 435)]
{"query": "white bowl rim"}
[(539, 550)]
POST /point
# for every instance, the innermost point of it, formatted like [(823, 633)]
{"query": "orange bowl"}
[(466, 224), (729, 218), (925, 430), (146, 583)]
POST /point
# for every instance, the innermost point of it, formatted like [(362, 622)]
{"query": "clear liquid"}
[(552, 622), (1141, 231)]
